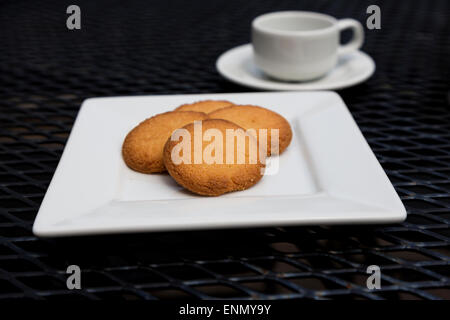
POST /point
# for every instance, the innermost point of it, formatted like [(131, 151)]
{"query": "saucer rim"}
[(282, 86)]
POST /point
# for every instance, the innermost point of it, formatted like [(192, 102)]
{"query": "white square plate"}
[(328, 175)]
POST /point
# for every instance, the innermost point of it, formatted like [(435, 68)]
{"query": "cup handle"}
[(358, 35)]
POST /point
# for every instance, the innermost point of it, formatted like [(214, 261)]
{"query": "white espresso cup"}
[(301, 45)]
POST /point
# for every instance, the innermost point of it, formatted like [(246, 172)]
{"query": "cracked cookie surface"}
[(255, 117), (213, 178), (142, 149)]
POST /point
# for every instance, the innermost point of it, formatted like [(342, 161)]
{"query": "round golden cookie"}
[(254, 117), (205, 106), (213, 174), (143, 147)]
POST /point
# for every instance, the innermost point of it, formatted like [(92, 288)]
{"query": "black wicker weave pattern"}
[(137, 47)]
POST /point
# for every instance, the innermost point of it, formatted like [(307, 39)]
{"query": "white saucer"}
[(237, 66)]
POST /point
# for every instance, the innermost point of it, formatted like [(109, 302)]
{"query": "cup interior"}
[(293, 22)]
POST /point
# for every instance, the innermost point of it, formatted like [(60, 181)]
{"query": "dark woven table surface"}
[(170, 47)]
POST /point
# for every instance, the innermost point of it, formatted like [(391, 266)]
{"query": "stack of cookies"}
[(175, 142)]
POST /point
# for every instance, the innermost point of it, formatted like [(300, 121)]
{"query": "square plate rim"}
[(53, 230)]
